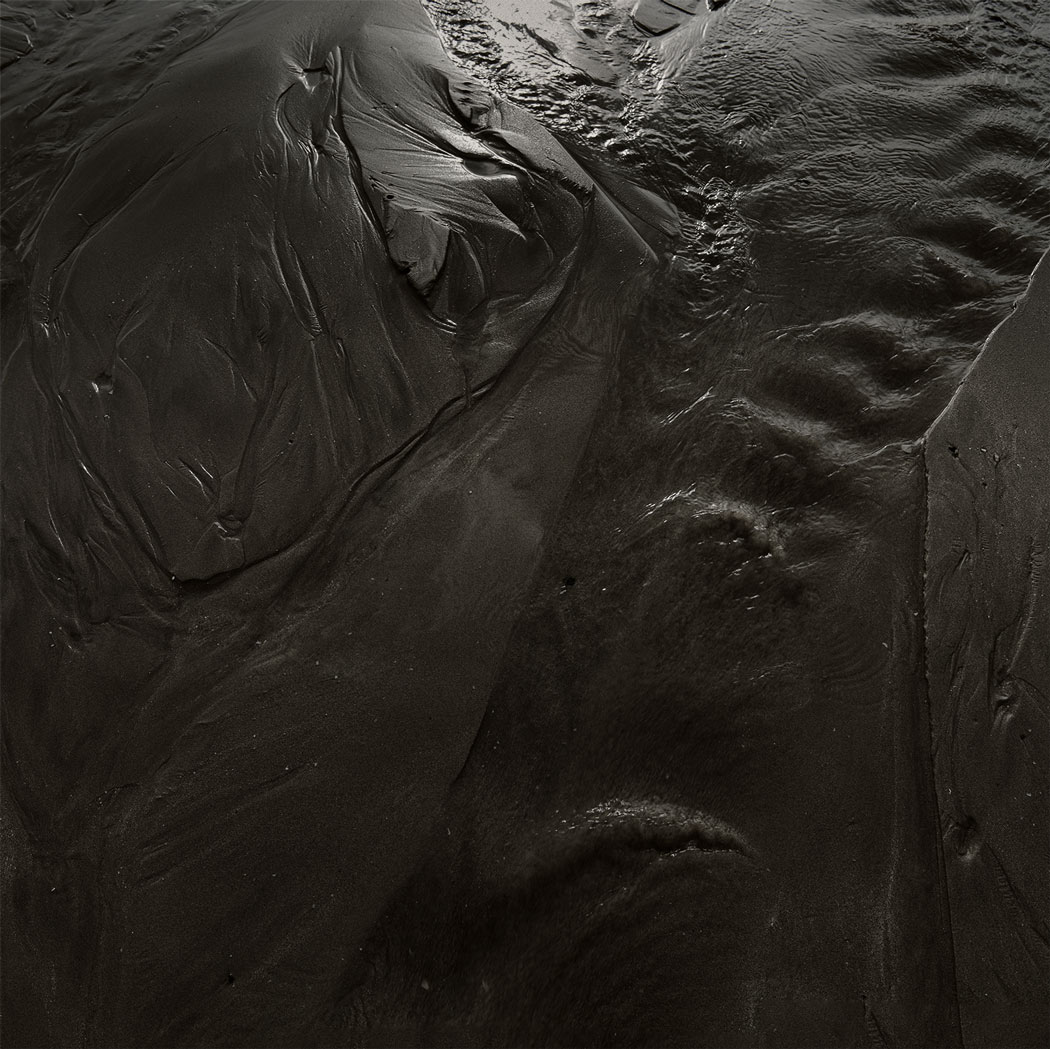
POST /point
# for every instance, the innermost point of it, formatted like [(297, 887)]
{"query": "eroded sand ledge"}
[(988, 665)]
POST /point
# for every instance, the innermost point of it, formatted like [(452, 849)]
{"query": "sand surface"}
[(525, 524)]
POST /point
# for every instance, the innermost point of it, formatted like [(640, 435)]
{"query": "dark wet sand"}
[(453, 597), (987, 610)]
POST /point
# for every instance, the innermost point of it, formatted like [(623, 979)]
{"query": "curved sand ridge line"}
[(307, 340)]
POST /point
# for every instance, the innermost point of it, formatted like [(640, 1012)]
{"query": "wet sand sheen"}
[(278, 776), (295, 400)]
